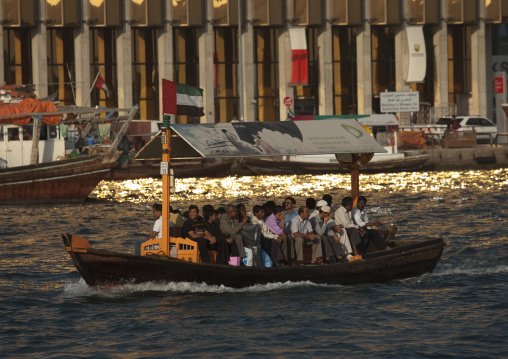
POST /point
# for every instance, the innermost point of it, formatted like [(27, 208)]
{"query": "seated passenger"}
[(302, 232), (324, 226), (207, 208), (275, 224), (226, 247), (157, 228), (269, 207), (354, 232), (328, 198), (194, 229), (361, 218), (268, 240), (311, 205), (341, 245), (319, 205), (175, 217), (242, 212), (289, 212), (231, 226)]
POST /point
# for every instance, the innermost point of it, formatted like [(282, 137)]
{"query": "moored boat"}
[(36, 166)]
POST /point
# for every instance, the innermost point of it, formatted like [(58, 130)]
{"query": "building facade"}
[(356, 49)]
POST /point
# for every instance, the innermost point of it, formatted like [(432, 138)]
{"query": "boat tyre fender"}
[(354, 161)]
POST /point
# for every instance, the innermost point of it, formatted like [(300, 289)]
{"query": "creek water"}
[(460, 310)]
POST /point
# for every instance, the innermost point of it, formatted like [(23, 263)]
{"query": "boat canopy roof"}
[(367, 120), (262, 139)]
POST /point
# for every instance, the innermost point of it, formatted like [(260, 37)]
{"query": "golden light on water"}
[(200, 190)]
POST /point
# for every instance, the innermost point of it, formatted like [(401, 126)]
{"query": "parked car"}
[(485, 129)]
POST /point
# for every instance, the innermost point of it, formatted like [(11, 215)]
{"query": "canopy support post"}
[(166, 186), (355, 185)]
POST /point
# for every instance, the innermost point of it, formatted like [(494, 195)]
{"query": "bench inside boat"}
[(188, 250)]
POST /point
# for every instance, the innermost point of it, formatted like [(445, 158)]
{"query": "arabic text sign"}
[(400, 101)]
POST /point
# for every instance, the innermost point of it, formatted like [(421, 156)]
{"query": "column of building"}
[(440, 42), (364, 63), (284, 64), (39, 52), (326, 77), (402, 52), (124, 59), (478, 105), (2, 76), (249, 70), (205, 46), (82, 56)]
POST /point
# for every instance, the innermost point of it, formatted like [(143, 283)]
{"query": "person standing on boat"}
[(226, 247), (269, 241), (157, 228), (289, 212), (361, 218), (194, 229), (354, 232), (231, 226), (302, 232)]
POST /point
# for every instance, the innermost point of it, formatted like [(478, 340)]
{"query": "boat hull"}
[(99, 267), (66, 180)]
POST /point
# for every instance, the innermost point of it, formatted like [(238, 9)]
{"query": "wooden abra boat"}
[(156, 263), (98, 267)]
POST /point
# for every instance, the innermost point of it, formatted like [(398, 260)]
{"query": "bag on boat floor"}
[(234, 261), (251, 258), (265, 259)]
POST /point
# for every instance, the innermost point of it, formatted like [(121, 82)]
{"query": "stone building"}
[(356, 49)]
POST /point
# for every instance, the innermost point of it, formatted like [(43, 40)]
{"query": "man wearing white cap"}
[(332, 234), (319, 204)]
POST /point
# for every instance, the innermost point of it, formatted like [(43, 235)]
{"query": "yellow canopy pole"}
[(166, 185)]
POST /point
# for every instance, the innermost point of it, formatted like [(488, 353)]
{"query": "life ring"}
[(354, 161)]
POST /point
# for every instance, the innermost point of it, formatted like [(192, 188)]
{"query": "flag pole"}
[(93, 85)]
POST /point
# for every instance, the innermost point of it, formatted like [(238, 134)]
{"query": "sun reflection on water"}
[(276, 187)]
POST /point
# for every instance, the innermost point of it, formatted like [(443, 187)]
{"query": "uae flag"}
[(100, 84), (300, 71), (179, 99)]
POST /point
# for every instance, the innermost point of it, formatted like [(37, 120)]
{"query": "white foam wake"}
[(80, 288)]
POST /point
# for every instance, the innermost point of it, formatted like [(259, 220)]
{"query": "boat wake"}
[(472, 270), (81, 289)]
